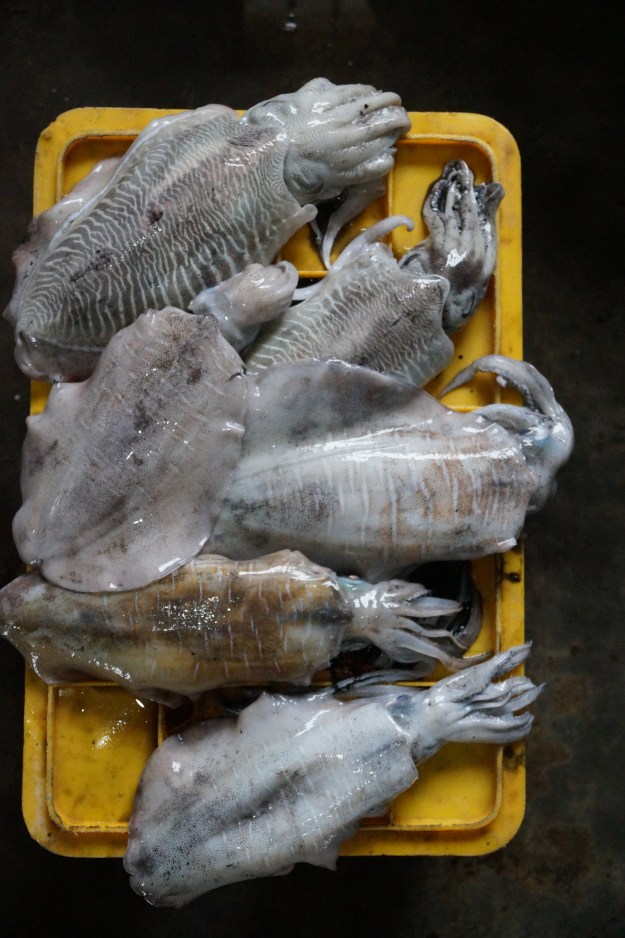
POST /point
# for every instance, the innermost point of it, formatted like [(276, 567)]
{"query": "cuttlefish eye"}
[(25, 352), (44, 360)]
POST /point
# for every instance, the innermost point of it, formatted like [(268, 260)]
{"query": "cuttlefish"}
[(288, 781), (222, 623), (197, 197)]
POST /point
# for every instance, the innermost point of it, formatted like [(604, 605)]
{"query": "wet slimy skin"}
[(123, 474)]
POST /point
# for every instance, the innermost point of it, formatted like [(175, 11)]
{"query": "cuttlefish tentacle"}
[(391, 609), (354, 249), (354, 201)]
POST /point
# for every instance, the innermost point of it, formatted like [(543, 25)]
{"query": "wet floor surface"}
[(547, 78)]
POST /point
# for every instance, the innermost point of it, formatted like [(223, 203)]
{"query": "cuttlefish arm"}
[(358, 127), (462, 243), (354, 200), (339, 135)]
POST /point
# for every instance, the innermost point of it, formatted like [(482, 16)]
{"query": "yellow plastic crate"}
[(86, 744)]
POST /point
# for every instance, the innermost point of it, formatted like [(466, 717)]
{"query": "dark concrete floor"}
[(549, 77)]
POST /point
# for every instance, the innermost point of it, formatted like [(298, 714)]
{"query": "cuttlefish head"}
[(541, 426), (338, 135)]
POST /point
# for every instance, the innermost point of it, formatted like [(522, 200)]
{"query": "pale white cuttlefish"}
[(288, 781), (123, 474), (378, 477), (197, 197)]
